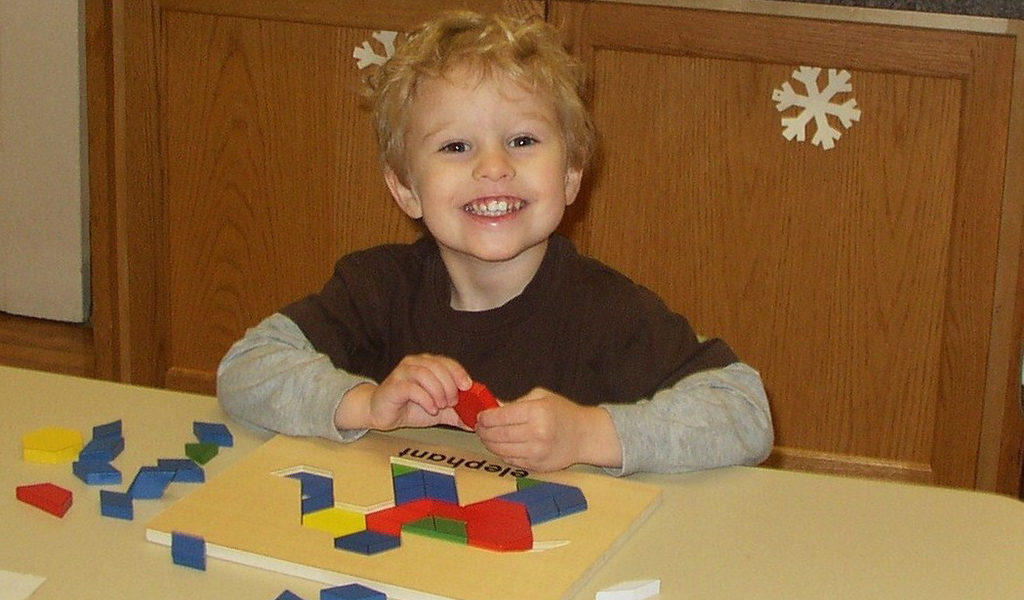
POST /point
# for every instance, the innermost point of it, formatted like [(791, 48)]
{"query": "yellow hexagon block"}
[(336, 521), (52, 445)]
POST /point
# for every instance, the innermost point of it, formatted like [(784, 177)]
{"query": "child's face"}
[(486, 167)]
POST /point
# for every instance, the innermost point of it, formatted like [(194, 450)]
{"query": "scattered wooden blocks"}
[(46, 496), (117, 505), (51, 445), (188, 550)]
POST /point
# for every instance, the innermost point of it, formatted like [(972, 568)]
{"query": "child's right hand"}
[(421, 391)]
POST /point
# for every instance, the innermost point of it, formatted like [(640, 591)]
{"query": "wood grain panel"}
[(252, 166), (860, 279), (271, 172)]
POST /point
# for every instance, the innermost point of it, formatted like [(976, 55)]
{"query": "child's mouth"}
[(493, 207)]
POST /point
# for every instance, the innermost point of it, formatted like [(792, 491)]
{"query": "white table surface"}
[(728, 533)]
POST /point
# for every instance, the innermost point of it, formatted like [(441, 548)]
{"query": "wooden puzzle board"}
[(250, 515)]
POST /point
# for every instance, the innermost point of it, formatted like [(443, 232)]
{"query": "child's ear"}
[(403, 195), (573, 179)]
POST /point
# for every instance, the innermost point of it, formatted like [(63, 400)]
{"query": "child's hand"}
[(543, 431), (419, 392)]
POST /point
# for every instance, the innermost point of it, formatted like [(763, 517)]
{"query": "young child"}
[(484, 139)]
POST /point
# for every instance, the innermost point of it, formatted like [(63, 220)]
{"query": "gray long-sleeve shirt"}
[(274, 379)]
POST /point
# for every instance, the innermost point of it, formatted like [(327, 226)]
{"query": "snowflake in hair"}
[(817, 105), (365, 55)]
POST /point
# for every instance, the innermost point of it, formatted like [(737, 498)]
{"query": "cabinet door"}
[(251, 166), (860, 280)]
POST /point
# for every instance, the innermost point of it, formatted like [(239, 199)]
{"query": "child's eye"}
[(523, 141), (455, 147)]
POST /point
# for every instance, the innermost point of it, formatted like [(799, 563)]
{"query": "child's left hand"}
[(543, 431)]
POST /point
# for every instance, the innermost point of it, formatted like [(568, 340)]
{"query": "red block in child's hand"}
[(474, 400)]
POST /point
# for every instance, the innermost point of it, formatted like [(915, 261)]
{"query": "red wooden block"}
[(390, 520), (474, 400), (46, 496), (500, 525)]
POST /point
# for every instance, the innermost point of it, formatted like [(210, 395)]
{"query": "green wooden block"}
[(451, 529), (423, 526), (201, 452), (397, 469), (523, 483)]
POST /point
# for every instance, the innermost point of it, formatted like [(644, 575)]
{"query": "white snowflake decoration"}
[(817, 105), (365, 55)]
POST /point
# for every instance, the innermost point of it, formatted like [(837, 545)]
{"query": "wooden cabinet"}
[(871, 283), (876, 285)]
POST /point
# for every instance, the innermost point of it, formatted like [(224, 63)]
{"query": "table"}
[(728, 533)]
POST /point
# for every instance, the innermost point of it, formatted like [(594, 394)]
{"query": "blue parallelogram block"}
[(117, 505), (188, 550), (213, 433), (96, 472), (352, 591)]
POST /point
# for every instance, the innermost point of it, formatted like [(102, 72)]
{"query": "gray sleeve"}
[(710, 419), (273, 379)]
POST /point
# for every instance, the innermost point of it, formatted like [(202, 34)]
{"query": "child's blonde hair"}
[(526, 49)]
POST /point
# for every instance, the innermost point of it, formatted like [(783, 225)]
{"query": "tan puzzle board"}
[(250, 515)]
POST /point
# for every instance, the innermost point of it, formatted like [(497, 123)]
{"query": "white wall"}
[(44, 269)]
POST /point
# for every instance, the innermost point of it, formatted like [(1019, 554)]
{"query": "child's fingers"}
[(439, 376)]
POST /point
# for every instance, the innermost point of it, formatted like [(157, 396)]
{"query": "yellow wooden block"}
[(336, 521), (53, 445)]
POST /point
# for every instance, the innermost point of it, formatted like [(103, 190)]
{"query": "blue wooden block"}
[(213, 433), (313, 484), (188, 550), (317, 491), (412, 479), (185, 469), (570, 500), (104, 449), (352, 591), (367, 542), (117, 505), (441, 487), (409, 494), (96, 472), (150, 483), (112, 429), (288, 595)]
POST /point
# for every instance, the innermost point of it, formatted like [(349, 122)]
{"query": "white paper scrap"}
[(18, 586)]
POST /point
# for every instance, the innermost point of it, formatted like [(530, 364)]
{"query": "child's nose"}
[(494, 165)]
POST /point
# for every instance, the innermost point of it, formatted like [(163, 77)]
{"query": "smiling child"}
[(485, 140)]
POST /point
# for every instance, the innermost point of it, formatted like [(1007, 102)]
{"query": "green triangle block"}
[(523, 483), (201, 452), (397, 470)]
